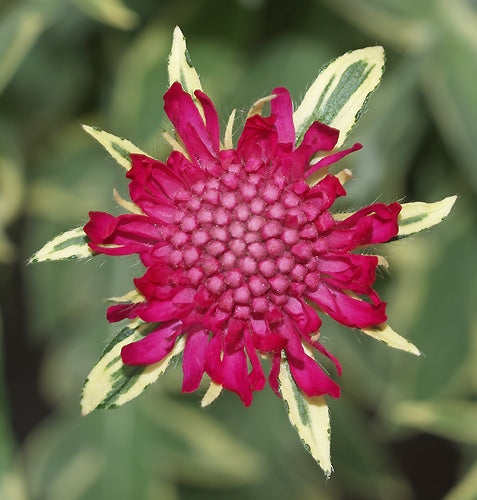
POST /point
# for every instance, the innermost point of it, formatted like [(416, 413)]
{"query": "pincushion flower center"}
[(252, 241)]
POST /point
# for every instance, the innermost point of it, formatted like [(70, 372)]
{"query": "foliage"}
[(69, 62)]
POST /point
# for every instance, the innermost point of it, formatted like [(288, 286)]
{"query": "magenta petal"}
[(282, 109), (328, 160), (100, 226), (153, 347), (311, 378), (185, 116), (235, 376), (256, 376), (347, 310), (193, 361), (211, 118)]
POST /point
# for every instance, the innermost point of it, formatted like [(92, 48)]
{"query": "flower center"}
[(252, 242)]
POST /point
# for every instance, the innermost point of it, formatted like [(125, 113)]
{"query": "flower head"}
[(241, 253)]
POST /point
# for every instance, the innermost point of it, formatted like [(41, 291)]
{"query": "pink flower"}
[(240, 252)]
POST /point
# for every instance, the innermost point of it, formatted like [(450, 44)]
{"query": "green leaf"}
[(418, 216), (118, 148), (111, 383), (72, 244), (453, 420), (112, 12), (387, 335), (19, 29), (309, 416), (180, 66), (340, 92), (466, 488)]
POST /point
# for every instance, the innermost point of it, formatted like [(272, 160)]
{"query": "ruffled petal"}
[(184, 115), (348, 311), (193, 361), (330, 159), (282, 109), (154, 346), (235, 374)]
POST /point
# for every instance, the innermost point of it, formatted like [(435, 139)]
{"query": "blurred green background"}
[(405, 428)]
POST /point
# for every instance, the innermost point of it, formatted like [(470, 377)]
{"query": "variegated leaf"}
[(118, 148), (387, 335), (72, 244), (340, 92), (180, 66), (111, 383), (310, 417), (417, 216)]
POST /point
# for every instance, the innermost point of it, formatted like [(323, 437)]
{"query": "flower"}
[(241, 252)]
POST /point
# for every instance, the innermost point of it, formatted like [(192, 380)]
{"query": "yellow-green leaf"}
[(387, 335), (111, 383), (309, 416), (340, 92), (72, 244), (180, 66), (417, 216), (112, 12), (118, 148)]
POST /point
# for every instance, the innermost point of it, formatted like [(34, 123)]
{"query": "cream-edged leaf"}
[(340, 92), (418, 216), (118, 148), (71, 244), (309, 416), (386, 334), (111, 383), (180, 67)]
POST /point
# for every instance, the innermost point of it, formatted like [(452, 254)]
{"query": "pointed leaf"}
[(387, 335), (417, 216), (118, 148), (180, 66), (340, 92), (111, 383), (309, 416), (72, 244)]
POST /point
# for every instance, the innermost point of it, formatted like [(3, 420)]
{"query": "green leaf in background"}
[(19, 30), (180, 66), (340, 92), (111, 383), (72, 244), (455, 420), (309, 416), (466, 489), (112, 12), (118, 148)]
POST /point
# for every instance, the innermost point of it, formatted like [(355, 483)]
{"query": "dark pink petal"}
[(165, 310), (183, 113), (324, 193), (153, 347), (311, 378), (348, 311), (235, 375), (273, 375), (330, 159), (318, 137), (100, 226), (258, 141), (213, 358), (376, 223), (256, 377), (211, 118), (193, 361), (119, 312), (282, 109), (353, 272)]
